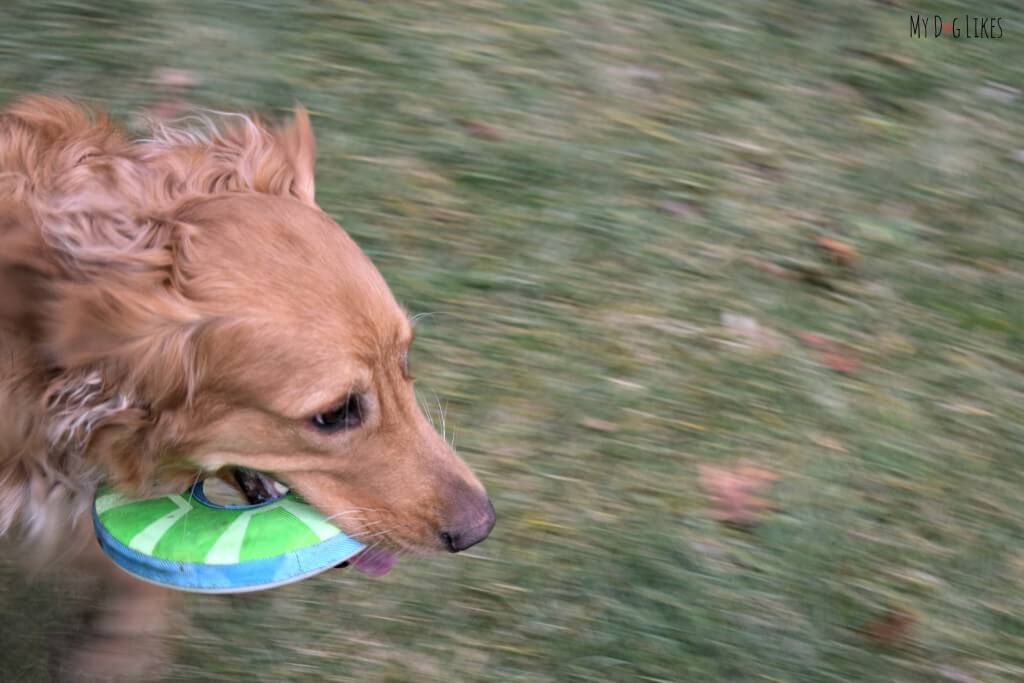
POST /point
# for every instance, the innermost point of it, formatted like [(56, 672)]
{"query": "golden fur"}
[(177, 305)]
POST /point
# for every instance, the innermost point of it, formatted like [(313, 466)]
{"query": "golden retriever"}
[(177, 306)]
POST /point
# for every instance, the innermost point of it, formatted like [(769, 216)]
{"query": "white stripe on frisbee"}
[(228, 548), (146, 540)]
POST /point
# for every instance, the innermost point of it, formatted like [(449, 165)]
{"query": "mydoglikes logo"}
[(966, 26)]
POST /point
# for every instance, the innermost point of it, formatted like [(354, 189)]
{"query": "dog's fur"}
[(173, 306)]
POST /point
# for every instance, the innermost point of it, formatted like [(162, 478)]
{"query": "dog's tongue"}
[(374, 561)]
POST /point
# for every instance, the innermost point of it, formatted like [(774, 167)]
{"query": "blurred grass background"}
[(611, 209)]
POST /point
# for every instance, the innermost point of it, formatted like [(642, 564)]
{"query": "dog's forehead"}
[(280, 256), (314, 308)]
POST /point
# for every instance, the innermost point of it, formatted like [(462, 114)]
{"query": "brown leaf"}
[(842, 359), (839, 252), (771, 268), (481, 130), (734, 491), (890, 629), (832, 354)]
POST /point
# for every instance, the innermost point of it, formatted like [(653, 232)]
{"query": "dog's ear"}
[(124, 294), (237, 153), (120, 409), (300, 146), (108, 428), (123, 338), (81, 405)]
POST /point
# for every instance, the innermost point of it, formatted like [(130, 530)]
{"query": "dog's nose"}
[(457, 540)]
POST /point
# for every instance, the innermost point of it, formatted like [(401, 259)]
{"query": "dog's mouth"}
[(258, 488)]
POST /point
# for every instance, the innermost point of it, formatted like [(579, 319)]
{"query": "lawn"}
[(656, 238)]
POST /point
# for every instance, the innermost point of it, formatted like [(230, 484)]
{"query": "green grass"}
[(578, 268)]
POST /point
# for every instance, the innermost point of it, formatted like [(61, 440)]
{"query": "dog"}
[(179, 307)]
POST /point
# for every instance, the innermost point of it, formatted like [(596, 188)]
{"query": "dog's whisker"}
[(195, 481), (440, 411), (419, 316), (424, 407), (368, 526), (375, 534), (351, 511), (359, 509)]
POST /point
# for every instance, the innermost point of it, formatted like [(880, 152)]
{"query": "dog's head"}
[(238, 326)]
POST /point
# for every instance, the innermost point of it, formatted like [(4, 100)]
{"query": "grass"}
[(578, 257)]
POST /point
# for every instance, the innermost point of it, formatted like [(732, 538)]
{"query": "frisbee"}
[(193, 542)]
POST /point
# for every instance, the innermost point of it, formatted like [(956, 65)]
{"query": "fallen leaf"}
[(771, 268), (598, 425), (735, 492), (890, 629), (841, 358), (839, 252), (481, 130), (832, 354)]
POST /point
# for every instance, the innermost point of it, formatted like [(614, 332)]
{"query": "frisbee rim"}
[(240, 577), (198, 493)]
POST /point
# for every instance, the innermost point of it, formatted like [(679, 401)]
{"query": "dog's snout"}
[(459, 539)]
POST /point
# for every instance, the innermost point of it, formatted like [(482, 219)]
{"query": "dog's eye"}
[(345, 416)]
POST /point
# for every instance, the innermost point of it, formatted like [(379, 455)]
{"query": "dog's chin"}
[(258, 487)]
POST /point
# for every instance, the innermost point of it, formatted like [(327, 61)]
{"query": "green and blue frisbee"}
[(189, 542)]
